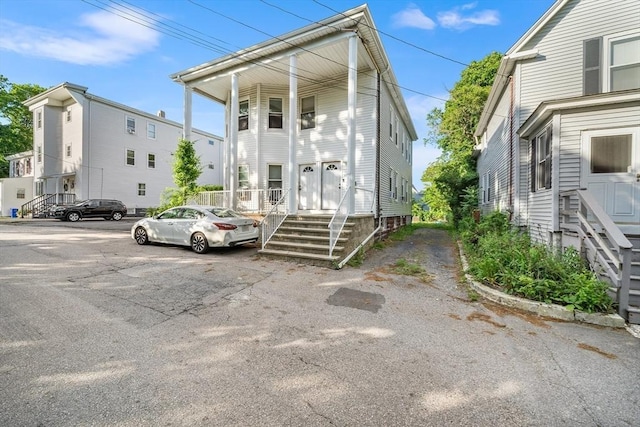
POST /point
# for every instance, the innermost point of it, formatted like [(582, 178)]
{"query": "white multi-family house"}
[(87, 147), (559, 137), (316, 124), (18, 187)]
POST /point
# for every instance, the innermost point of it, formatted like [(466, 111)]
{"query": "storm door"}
[(611, 173), (307, 187)]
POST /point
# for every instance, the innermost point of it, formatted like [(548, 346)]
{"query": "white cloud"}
[(103, 39), (457, 19), (413, 17)]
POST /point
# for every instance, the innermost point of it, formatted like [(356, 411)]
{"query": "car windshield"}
[(80, 203), (225, 213)]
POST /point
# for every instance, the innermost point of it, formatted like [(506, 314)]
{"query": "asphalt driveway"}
[(96, 330)]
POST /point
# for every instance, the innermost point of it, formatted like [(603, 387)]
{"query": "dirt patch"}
[(485, 318), (597, 350), (532, 318)]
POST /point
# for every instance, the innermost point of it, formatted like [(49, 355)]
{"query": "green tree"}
[(451, 130), (186, 171), (16, 127)]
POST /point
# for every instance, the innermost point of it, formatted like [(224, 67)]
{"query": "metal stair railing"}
[(590, 221), (41, 203), (274, 218), (338, 220)]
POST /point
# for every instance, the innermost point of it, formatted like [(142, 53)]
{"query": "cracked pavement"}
[(96, 330)]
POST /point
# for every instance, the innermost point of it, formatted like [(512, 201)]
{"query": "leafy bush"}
[(506, 258)]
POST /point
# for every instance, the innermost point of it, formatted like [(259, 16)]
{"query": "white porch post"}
[(293, 109), (186, 129), (351, 122), (233, 140)]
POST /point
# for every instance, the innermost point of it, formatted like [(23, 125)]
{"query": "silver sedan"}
[(200, 227)]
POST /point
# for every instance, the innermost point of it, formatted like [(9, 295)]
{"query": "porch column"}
[(187, 110), (293, 113), (351, 122), (233, 140)]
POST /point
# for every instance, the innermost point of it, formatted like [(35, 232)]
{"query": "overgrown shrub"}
[(504, 257)]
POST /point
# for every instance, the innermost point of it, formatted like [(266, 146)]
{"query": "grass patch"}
[(406, 268)]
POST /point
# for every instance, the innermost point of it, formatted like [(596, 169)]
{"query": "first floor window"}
[(275, 113), (243, 115), (275, 182), (20, 193), (243, 177), (541, 160), (142, 189), (131, 125), (308, 112), (68, 150), (151, 161), (131, 157), (485, 183)]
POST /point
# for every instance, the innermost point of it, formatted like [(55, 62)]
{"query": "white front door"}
[(331, 184), (611, 173), (307, 187)]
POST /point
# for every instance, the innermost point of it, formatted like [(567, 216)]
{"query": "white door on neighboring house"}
[(331, 184), (611, 173), (307, 187)]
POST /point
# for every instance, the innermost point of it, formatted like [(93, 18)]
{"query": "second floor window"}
[(39, 154), (68, 150), (624, 65), (131, 125), (275, 113), (308, 113), (39, 119), (151, 130), (151, 161), (611, 63), (243, 115), (69, 115)]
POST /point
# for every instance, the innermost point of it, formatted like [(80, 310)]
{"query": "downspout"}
[(377, 190), (511, 151)]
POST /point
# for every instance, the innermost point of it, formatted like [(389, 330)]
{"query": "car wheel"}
[(73, 216), (141, 236), (117, 216), (199, 243)]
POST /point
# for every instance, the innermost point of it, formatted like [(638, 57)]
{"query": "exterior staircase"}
[(634, 285), (305, 239)]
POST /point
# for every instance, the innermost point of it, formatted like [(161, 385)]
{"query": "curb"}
[(553, 311)]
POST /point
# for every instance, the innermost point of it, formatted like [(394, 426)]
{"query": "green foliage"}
[(357, 259), (454, 174), (16, 127), (402, 266), (209, 187), (506, 258)]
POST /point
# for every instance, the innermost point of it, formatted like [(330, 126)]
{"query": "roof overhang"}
[(514, 54), (322, 60), (601, 101)]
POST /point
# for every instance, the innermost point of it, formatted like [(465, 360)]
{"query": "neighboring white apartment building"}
[(18, 187), (316, 114), (96, 148)]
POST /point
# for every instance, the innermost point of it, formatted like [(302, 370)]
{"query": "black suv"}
[(92, 208)]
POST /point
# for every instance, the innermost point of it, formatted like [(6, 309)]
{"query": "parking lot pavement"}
[(96, 330)]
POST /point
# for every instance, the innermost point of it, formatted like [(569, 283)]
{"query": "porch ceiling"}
[(324, 65)]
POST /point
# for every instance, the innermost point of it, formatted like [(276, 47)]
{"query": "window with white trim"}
[(68, 114), (130, 157), (131, 125), (541, 160), (391, 123), (151, 160), (485, 184), (151, 130), (20, 193), (39, 154), (243, 177), (611, 63), (275, 113), (67, 150), (142, 189), (243, 115), (308, 112), (39, 120)]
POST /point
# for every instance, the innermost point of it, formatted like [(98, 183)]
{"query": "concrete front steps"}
[(304, 239)]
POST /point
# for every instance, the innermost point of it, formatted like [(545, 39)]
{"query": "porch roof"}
[(322, 50)]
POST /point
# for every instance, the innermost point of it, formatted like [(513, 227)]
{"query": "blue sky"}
[(88, 42)]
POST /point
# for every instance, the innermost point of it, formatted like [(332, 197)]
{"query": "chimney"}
[(160, 113)]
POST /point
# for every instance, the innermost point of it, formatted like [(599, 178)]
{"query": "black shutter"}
[(534, 165), (592, 53), (548, 159)]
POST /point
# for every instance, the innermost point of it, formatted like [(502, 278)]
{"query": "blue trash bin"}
[(14, 212)]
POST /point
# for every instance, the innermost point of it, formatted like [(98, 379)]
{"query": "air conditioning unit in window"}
[(131, 131)]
